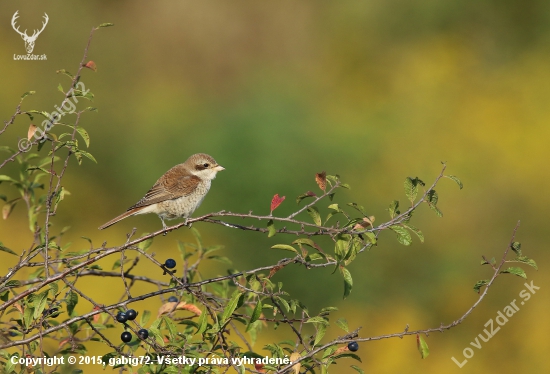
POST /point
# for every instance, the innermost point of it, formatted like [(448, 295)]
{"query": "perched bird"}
[(178, 192)]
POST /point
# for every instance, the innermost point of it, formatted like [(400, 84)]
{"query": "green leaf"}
[(436, 210), (202, 322), (63, 71), (145, 316), (6, 249), (327, 310), (271, 228), (285, 247), (357, 207), (357, 369), (516, 247), (321, 330), (411, 188), (416, 231), (480, 284), (107, 24), (60, 88), (41, 112), (54, 288), (255, 314), (12, 283), (422, 346), (28, 93), (91, 109), (144, 245), (516, 271), (343, 324), (314, 213), (172, 330), (371, 236), (86, 154), (317, 319), (342, 246), (84, 136), (72, 300), (432, 197), (403, 236), (28, 316), (230, 307), (350, 355), (87, 95), (39, 303), (5, 178), (394, 209), (222, 259), (198, 238), (460, 185), (525, 260), (314, 257), (348, 281), (308, 242)]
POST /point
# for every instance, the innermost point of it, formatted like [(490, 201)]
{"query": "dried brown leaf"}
[(294, 357), (321, 179), (32, 130), (173, 306), (91, 65), (367, 221)]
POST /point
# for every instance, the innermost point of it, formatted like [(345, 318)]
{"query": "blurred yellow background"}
[(277, 91)]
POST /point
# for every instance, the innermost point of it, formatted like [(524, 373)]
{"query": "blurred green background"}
[(277, 91)]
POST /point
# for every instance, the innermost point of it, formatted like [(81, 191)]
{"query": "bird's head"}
[(203, 166)]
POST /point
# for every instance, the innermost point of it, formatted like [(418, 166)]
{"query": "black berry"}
[(172, 299), (353, 346), (131, 314), (121, 317), (125, 336), (170, 263), (143, 334)]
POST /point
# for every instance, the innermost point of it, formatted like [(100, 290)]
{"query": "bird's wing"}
[(177, 182)]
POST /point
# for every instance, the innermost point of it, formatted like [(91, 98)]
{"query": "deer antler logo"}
[(29, 40)]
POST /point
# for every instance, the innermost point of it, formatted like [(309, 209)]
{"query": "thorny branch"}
[(190, 288)]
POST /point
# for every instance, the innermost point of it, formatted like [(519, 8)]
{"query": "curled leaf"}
[(321, 179), (91, 65), (367, 221), (6, 210), (182, 305), (32, 130), (294, 357), (304, 195)]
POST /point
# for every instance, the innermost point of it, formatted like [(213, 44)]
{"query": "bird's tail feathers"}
[(121, 217)]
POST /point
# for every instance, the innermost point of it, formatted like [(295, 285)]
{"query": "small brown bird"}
[(178, 192)]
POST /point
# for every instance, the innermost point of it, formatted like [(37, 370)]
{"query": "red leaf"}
[(321, 179), (91, 65), (96, 317), (276, 201)]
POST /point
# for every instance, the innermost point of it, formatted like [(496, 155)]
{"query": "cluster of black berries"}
[(130, 315)]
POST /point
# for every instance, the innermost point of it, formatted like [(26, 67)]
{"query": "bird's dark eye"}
[(206, 165)]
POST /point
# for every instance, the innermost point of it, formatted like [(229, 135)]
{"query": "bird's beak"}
[(219, 168)]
